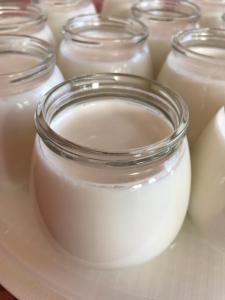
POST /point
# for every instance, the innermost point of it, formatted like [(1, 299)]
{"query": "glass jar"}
[(211, 13), (27, 72), (111, 167), (94, 44), (208, 167), (195, 68), (19, 18), (164, 19), (117, 8), (59, 11)]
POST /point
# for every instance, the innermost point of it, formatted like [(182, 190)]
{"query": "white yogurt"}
[(117, 8), (198, 77), (104, 45), (164, 19), (211, 13), (59, 11), (207, 207), (25, 19), (112, 216), (18, 100)]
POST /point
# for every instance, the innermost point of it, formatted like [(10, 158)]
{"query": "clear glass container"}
[(164, 19), (59, 11), (195, 68), (111, 167), (211, 13), (20, 18), (208, 167), (27, 72), (94, 44)]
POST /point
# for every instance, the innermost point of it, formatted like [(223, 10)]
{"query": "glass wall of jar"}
[(211, 12), (208, 168), (59, 11), (195, 68), (112, 159), (21, 18), (27, 72), (117, 8), (94, 44), (164, 18)]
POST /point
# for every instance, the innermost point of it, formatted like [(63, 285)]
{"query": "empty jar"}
[(95, 44), (164, 19), (59, 11), (195, 69), (111, 168), (27, 72), (19, 18)]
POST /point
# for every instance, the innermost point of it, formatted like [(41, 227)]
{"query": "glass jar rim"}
[(212, 2), (138, 90), (167, 10), (32, 14), (137, 31), (199, 37), (23, 44), (59, 3)]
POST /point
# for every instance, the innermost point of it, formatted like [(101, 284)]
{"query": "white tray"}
[(32, 266)]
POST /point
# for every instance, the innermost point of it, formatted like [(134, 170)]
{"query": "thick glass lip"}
[(75, 28), (140, 90), (22, 44), (167, 11), (202, 37), (30, 16)]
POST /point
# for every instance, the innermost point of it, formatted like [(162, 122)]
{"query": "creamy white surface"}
[(58, 15), (76, 60), (117, 8), (111, 217), (160, 38), (207, 207), (200, 82), (42, 32), (16, 117)]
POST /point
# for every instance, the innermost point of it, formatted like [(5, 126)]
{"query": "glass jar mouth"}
[(90, 30), (137, 89), (25, 45), (186, 43), (167, 11), (16, 17)]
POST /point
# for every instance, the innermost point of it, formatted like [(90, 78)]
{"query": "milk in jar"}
[(59, 11), (20, 18), (195, 68), (207, 208), (95, 44), (164, 19), (211, 13), (117, 8), (112, 176), (27, 72)]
